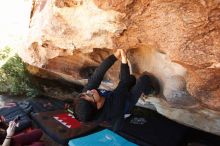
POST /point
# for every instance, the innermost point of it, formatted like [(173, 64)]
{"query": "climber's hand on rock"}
[(123, 56), (117, 53)]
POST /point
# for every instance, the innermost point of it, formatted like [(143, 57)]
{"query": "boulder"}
[(176, 40)]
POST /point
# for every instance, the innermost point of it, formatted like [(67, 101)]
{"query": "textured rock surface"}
[(199, 118), (177, 40)]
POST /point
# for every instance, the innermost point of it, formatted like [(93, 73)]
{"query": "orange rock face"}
[(177, 40)]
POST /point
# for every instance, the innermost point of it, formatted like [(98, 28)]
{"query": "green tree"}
[(14, 78)]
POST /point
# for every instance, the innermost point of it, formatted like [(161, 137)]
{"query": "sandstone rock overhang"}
[(178, 41)]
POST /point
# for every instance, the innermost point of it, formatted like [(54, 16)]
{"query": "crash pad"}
[(59, 131), (102, 138), (67, 120), (44, 104), (10, 113), (146, 127)]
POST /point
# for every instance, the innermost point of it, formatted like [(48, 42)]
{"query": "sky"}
[(14, 15)]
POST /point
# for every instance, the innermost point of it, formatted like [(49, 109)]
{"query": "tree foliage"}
[(14, 78)]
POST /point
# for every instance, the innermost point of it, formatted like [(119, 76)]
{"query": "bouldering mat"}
[(101, 138), (44, 104), (58, 131), (10, 113), (145, 126)]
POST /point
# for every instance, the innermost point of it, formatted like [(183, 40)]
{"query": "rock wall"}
[(177, 40)]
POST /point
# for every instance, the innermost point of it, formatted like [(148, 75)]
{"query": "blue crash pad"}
[(101, 138)]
